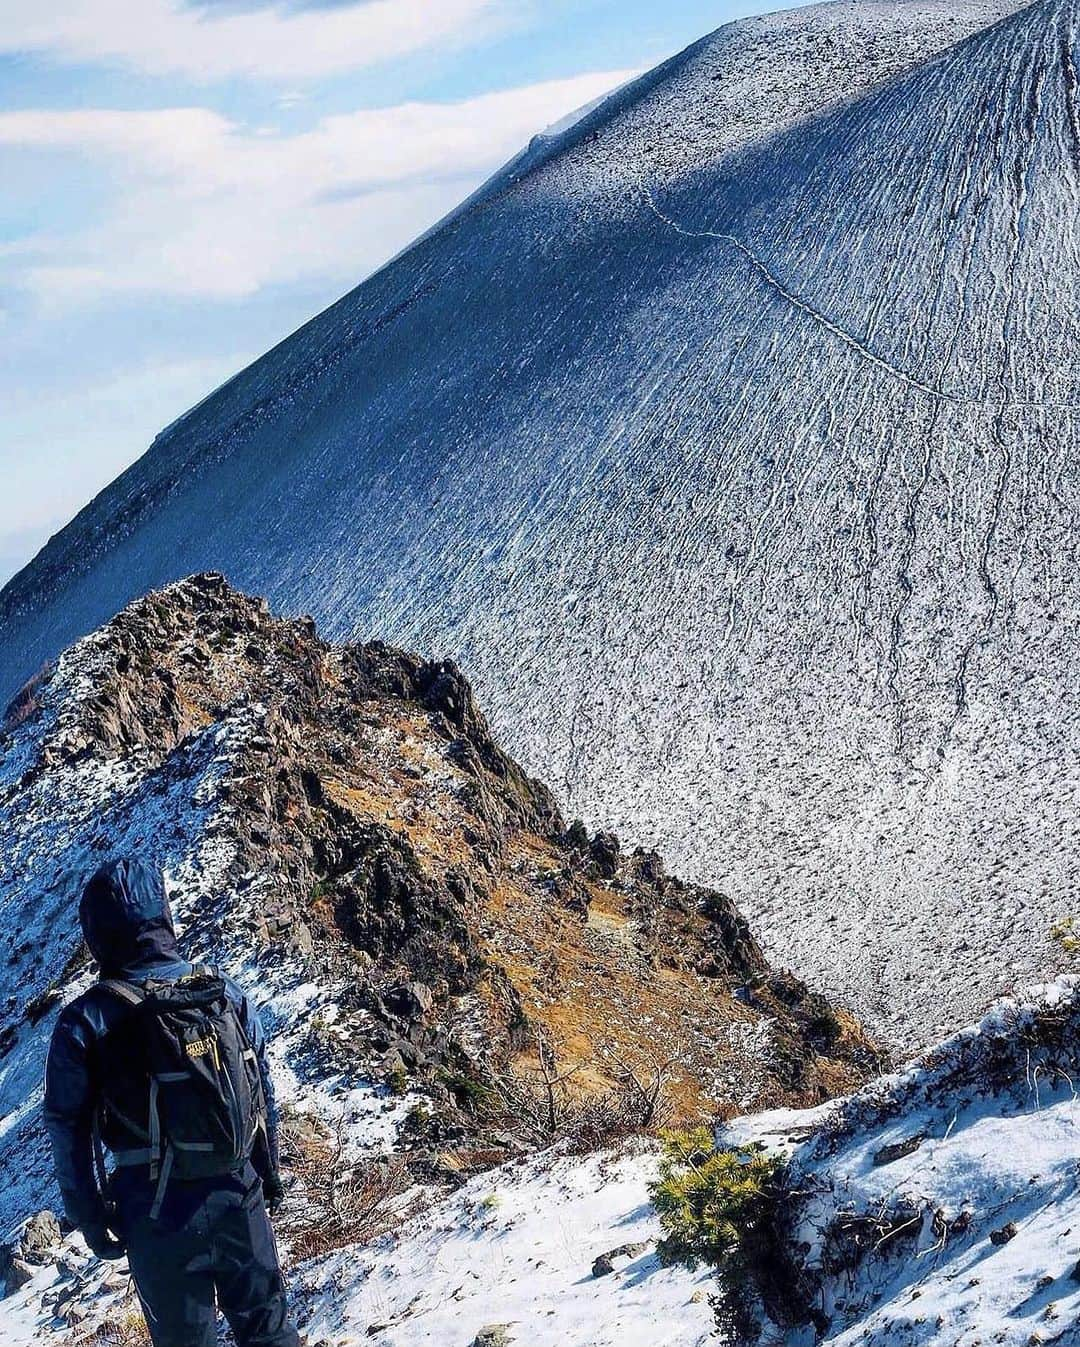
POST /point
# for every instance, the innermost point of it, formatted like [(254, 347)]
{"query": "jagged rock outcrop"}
[(35, 1244), (376, 837)]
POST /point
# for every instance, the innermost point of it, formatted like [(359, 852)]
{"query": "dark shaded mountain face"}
[(727, 442)]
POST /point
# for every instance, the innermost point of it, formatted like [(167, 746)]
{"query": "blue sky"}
[(186, 181)]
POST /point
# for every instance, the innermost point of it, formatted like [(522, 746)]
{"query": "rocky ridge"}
[(341, 828)]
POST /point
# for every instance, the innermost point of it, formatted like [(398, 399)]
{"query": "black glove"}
[(102, 1242), (274, 1193)]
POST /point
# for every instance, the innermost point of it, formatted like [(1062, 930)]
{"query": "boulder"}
[(410, 1000), (898, 1150), (494, 1335), (604, 1265), (35, 1244), (604, 853)]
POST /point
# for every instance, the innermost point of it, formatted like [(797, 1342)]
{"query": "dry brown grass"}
[(590, 987), (553, 1098), (429, 817), (127, 1330), (343, 1203)]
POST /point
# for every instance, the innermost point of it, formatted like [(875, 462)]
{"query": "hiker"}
[(163, 1064)]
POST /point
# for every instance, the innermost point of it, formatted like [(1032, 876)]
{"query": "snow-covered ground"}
[(516, 1247), (991, 1254), (971, 1223), (967, 1232), (728, 439), (1008, 1167)]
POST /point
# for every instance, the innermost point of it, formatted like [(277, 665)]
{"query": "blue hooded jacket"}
[(128, 926)]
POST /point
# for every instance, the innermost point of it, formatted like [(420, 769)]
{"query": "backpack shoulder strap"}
[(126, 991)]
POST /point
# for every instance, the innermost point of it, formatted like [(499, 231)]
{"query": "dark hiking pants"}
[(212, 1246)]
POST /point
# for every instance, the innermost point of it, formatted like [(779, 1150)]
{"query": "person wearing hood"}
[(194, 1245)]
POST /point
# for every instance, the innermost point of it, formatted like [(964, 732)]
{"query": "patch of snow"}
[(516, 1247)]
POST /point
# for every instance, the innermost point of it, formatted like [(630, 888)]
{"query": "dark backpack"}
[(184, 1050)]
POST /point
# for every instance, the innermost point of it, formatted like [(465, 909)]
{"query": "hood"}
[(126, 919)]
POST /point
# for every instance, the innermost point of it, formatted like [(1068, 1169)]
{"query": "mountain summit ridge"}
[(739, 125)]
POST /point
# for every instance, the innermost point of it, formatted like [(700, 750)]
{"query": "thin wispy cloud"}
[(270, 42)]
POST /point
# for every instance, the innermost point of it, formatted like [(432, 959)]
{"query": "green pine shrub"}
[(715, 1206)]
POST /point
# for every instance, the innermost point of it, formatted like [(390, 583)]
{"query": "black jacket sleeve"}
[(69, 1114), (265, 1159)]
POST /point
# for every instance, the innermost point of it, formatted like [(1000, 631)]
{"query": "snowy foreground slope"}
[(966, 1234), (728, 440), (942, 1205), (513, 1250), (971, 1237)]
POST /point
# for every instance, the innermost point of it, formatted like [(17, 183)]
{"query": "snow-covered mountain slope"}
[(428, 939), (728, 441), (941, 1206), (506, 1261)]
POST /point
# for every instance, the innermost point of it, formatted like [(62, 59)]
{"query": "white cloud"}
[(272, 42), (202, 206)]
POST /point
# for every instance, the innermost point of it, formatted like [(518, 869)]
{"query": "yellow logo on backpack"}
[(200, 1047)]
